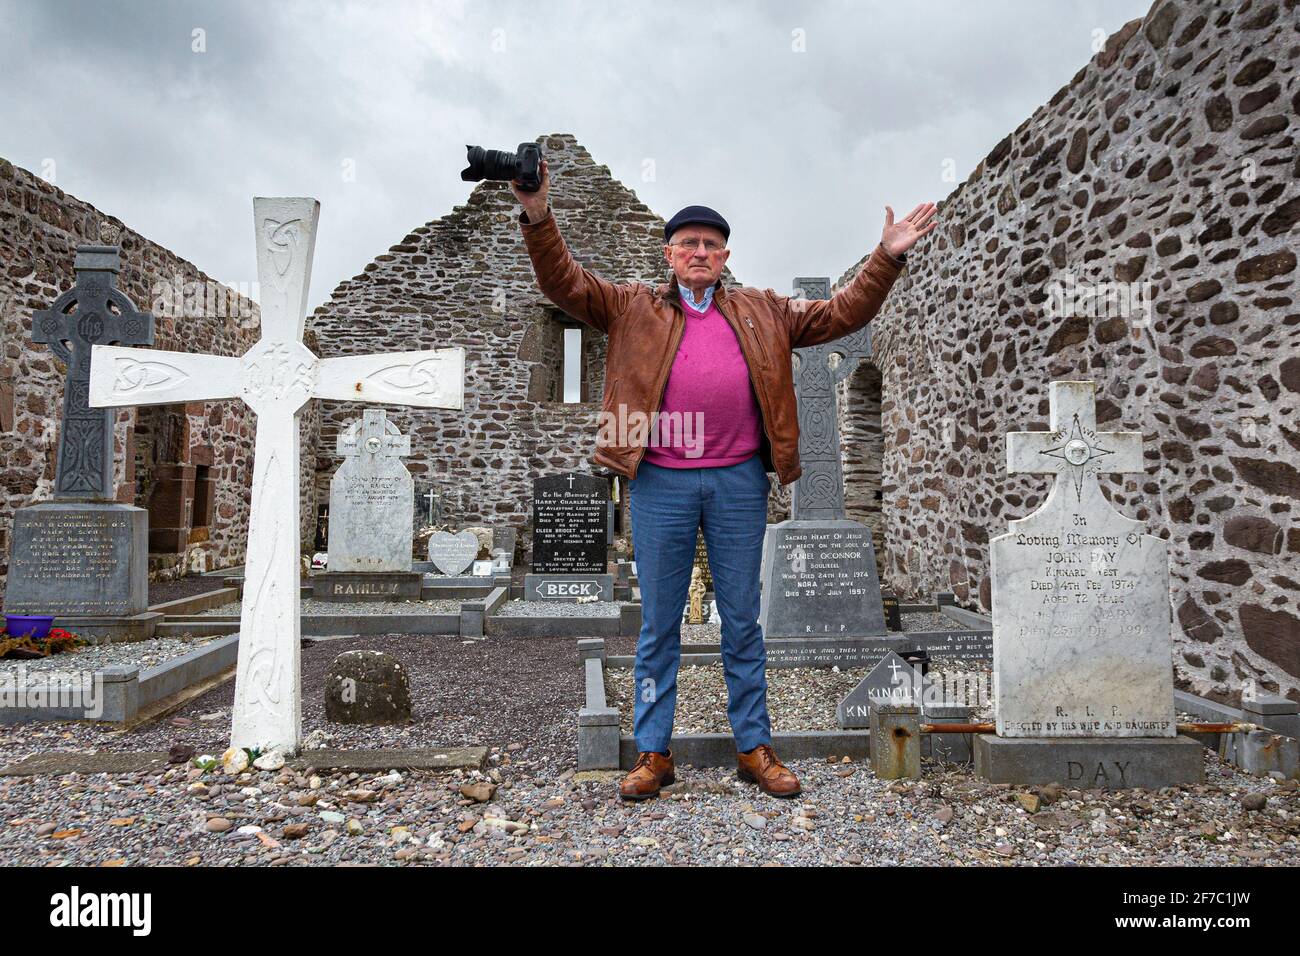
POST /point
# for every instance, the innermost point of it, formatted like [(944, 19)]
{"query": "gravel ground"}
[(797, 698), (310, 606), (529, 807), (930, 621), (142, 654), (558, 609)]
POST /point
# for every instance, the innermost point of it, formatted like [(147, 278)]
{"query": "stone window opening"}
[(204, 492), (568, 361)]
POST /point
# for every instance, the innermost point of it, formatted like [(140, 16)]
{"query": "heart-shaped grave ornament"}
[(453, 553)]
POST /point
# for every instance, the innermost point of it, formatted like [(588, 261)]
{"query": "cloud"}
[(798, 123)]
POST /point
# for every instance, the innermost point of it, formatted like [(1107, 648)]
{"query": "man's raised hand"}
[(898, 237), (534, 203)]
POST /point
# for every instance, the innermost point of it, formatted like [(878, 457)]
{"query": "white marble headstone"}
[(1081, 612), (371, 521)]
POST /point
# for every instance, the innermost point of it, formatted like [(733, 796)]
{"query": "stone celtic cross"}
[(1072, 448), (92, 312), (371, 437), (275, 378), (819, 492)]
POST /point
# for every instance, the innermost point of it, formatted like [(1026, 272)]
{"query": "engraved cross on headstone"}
[(276, 378), (1072, 448), (371, 437), (819, 492), (92, 312)]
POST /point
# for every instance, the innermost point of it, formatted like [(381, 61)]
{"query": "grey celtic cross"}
[(819, 492), (93, 312)]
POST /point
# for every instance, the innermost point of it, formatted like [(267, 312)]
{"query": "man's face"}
[(697, 255)]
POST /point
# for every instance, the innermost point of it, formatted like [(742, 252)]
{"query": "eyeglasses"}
[(690, 245)]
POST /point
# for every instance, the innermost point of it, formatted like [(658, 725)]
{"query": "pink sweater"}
[(709, 416)]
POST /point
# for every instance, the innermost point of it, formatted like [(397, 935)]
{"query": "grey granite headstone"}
[(819, 568), (83, 555), (79, 559), (819, 580), (370, 498), (892, 681), (453, 553)]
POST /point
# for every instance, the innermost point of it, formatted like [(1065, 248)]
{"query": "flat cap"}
[(696, 216)]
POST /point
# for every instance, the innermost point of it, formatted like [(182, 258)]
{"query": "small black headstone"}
[(570, 519)]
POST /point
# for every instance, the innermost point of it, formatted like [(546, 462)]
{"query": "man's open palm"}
[(898, 237)]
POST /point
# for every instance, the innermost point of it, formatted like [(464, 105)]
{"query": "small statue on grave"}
[(696, 592)]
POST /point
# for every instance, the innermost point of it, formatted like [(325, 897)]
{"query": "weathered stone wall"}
[(466, 280), (1168, 168), (862, 448), (40, 228)]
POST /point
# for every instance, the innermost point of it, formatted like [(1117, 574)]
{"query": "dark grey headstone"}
[(892, 682), (367, 687), (819, 580), (78, 319), (568, 587), (79, 559), (974, 646), (570, 519)]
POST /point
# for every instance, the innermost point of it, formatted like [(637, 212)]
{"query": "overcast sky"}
[(797, 122)]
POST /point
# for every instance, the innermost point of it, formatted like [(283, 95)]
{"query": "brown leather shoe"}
[(651, 771), (762, 767)]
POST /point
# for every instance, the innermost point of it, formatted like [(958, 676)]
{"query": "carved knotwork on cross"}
[(93, 312), (276, 378), (819, 492)]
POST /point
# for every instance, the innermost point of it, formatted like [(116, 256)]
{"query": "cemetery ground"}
[(527, 805)]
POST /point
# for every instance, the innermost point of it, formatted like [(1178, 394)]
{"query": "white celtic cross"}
[(276, 378), (1072, 447)]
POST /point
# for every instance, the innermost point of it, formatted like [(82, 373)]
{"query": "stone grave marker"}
[(276, 377), (1082, 654), (370, 516), (370, 519), (819, 568), (83, 557), (570, 531), (892, 681), (453, 553)]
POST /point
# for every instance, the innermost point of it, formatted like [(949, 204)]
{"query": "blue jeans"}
[(668, 506)]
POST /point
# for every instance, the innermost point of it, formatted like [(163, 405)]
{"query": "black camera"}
[(524, 165)]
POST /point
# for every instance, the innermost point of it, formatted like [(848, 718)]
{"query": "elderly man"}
[(713, 365)]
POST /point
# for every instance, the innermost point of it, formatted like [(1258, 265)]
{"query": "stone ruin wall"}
[(1170, 159), (466, 280), (40, 228)]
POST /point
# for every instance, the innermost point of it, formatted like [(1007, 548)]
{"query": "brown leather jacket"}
[(645, 324)]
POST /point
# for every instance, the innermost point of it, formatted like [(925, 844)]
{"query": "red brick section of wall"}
[(1170, 159), (40, 228)]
